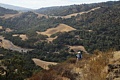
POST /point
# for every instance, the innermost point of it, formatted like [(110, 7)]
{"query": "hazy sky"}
[(46, 3)]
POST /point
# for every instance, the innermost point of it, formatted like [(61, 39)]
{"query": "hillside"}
[(4, 11), (91, 25), (66, 10), (6, 44), (59, 28), (93, 29), (100, 66), (44, 64), (75, 14)]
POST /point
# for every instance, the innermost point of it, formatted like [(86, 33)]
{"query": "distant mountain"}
[(15, 7), (66, 10), (7, 11)]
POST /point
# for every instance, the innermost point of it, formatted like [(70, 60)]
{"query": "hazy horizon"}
[(36, 4)]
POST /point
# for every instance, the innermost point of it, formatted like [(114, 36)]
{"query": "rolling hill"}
[(4, 11), (59, 28), (95, 30), (7, 6), (66, 10)]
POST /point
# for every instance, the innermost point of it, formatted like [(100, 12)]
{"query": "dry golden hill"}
[(43, 64), (77, 48), (59, 28), (1, 27), (97, 66), (22, 36), (6, 16), (9, 45)]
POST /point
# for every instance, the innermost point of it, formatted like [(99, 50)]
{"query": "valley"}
[(44, 42)]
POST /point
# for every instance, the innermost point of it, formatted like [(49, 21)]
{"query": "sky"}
[(35, 4)]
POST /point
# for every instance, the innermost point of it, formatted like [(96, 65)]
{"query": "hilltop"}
[(66, 10), (7, 6), (4, 11)]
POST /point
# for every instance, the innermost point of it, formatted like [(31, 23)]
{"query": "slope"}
[(4, 11), (59, 28), (43, 64), (92, 67), (66, 10)]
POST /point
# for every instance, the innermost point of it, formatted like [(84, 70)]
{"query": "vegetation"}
[(66, 10), (97, 29), (6, 11), (17, 66), (91, 67)]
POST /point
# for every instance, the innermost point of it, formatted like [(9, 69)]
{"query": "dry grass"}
[(1, 27), (91, 67), (96, 67), (6, 16), (43, 64), (9, 45), (51, 39), (59, 28), (76, 48), (75, 14), (8, 30), (22, 36)]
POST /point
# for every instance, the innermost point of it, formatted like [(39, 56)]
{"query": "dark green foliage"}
[(29, 22), (104, 25), (6, 11), (18, 65), (99, 29), (65, 10)]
